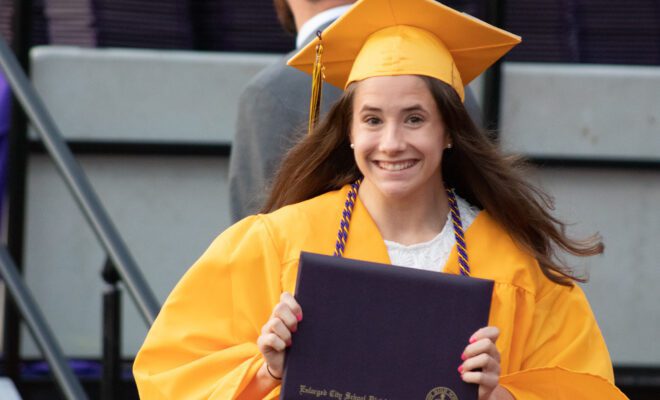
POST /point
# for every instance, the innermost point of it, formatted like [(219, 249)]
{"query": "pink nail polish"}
[(472, 340), (463, 357), (299, 317), (460, 369)]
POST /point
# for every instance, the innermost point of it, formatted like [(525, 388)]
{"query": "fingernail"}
[(460, 369), (463, 357), (299, 317), (472, 340), (289, 342)]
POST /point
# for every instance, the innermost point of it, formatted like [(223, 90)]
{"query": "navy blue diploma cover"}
[(373, 332)]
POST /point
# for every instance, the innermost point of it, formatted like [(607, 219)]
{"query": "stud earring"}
[(352, 146), (449, 146)]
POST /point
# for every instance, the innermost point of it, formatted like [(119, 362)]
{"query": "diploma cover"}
[(379, 332)]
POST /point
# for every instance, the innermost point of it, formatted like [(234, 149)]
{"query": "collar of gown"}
[(366, 243)]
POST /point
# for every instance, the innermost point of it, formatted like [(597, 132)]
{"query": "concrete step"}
[(8, 390)]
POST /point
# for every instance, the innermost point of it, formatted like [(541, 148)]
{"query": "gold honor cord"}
[(317, 86)]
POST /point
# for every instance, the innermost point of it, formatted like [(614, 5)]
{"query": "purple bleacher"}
[(161, 24), (71, 22), (238, 25), (585, 31)]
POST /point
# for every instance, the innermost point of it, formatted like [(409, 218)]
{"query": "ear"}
[(449, 138)]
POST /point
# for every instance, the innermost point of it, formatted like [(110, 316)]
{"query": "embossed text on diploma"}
[(324, 393)]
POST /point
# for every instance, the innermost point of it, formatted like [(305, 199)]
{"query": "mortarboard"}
[(402, 37)]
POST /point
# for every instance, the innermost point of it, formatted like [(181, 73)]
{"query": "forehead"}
[(393, 90)]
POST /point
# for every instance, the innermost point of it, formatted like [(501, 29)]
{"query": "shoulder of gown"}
[(550, 343)]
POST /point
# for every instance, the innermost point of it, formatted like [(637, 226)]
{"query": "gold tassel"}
[(317, 86)]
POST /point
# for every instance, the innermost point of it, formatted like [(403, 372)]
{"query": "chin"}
[(396, 190)]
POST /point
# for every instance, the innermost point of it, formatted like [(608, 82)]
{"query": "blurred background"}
[(144, 93)]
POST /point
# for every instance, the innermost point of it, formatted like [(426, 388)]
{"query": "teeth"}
[(395, 166)]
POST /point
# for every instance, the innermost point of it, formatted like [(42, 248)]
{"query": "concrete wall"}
[(587, 111), (167, 210)]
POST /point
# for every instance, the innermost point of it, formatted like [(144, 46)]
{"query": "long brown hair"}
[(475, 167)]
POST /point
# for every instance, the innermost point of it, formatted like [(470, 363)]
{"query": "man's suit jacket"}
[(273, 111)]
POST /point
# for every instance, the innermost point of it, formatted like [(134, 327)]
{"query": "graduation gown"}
[(203, 343)]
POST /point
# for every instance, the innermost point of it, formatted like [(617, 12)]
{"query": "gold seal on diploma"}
[(441, 393)]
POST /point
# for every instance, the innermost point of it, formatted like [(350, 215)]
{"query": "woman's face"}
[(398, 136)]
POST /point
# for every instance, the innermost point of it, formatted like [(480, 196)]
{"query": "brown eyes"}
[(413, 119), (373, 121)]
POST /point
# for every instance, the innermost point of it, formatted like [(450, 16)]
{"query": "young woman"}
[(396, 163)]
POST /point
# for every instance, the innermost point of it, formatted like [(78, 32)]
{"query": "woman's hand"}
[(276, 333), (481, 364), (274, 339)]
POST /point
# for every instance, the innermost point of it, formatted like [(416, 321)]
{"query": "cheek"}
[(364, 145), (431, 143), (360, 139), (354, 128), (362, 151)]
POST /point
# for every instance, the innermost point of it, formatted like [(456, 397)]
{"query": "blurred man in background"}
[(274, 106)]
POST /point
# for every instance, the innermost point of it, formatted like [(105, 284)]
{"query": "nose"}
[(392, 139)]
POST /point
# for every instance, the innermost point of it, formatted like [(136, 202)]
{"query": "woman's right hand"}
[(276, 334)]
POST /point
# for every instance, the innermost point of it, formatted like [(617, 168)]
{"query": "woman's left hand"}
[(481, 364)]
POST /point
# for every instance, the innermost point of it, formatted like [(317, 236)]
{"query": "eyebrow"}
[(370, 108), (415, 107)]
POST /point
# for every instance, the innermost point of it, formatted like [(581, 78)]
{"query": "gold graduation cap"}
[(402, 37)]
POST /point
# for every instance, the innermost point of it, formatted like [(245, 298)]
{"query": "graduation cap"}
[(401, 37)]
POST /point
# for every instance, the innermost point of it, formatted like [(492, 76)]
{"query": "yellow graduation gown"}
[(203, 343)]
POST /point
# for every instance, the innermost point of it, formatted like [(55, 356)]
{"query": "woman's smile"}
[(395, 166)]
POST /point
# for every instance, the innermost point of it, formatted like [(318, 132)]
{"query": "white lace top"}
[(432, 255)]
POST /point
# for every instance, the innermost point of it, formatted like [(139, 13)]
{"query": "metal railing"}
[(119, 257), (79, 185), (39, 329)]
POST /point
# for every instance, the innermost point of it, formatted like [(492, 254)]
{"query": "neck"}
[(415, 218), (304, 10)]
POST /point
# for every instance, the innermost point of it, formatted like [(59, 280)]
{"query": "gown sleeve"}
[(203, 342), (565, 356)]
